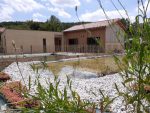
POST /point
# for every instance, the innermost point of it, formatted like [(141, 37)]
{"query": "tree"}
[(54, 24), (33, 25)]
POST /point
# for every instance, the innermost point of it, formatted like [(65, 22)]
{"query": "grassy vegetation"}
[(105, 65)]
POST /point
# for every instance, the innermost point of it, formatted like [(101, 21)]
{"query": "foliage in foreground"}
[(54, 100), (136, 63), (137, 67)]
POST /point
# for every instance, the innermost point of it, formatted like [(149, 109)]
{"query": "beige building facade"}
[(29, 41)]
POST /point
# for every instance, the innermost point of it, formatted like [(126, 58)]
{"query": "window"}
[(73, 41), (93, 40)]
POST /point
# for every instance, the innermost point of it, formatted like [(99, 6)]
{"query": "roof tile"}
[(92, 25)]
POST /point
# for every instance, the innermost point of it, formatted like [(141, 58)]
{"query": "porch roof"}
[(92, 25)]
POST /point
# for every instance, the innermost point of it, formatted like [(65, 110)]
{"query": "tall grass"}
[(136, 63)]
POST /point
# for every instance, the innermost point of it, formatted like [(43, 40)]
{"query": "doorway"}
[(58, 42), (2, 44), (44, 45)]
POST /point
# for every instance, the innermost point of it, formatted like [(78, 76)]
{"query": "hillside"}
[(52, 24)]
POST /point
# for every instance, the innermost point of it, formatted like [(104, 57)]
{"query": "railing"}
[(80, 48)]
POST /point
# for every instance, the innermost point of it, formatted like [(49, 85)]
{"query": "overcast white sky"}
[(41, 10)]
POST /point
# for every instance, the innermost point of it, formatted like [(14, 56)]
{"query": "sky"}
[(88, 10)]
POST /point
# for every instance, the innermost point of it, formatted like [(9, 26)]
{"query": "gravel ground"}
[(82, 81)]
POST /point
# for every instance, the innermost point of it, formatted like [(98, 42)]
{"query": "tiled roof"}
[(92, 25), (2, 29)]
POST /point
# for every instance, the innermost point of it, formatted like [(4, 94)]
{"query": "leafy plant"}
[(54, 100), (135, 65)]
